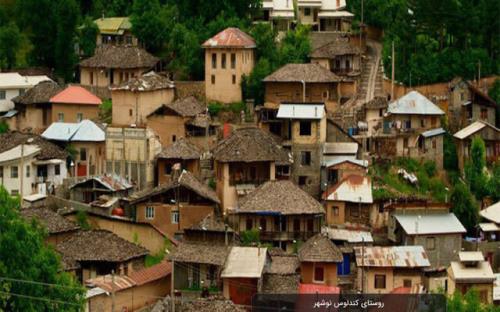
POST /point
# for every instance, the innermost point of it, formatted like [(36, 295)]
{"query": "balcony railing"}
[(284, 236)]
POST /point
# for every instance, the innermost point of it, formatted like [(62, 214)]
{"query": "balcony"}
[(286, 236)]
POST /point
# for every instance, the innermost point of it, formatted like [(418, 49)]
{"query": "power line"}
[(38, 298), (36, 283)]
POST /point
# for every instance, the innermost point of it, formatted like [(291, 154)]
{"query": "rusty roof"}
[(153, 273), (230, 38), (394, 257), (121, 282), (112, 182)]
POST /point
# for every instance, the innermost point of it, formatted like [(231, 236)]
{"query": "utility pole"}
[(479, 74), (393, 58), (362, 264), (21, 172), (361, 26), (113, 291), (172, 286)]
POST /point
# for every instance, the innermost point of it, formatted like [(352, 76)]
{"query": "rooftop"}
[(17, 81), (481, 273), (301, 111), (148, 82), (309, 73), (492, 213), (120, 56), (230, 38), (245, 262), (54, 222), (433, 132), (280, 198), (470, 256), (75, 95), (113, 25), (285, 264), (348, 235), (335, 48), (445, 223), (84, 131), (186, 107), (112, 182), (280, 284), (340, 148), (394, 257), (39, 94), (319, 248), (201, 252), (48, 150), (473, 128), (181, 149), (414, 103), (353, 188), (331, 161)]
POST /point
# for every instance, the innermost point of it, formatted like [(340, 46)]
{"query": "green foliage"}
[(211, 183), (450, 158), (67, 15), (494, 93), (250, 237), (4, 127), (25, 257), (10, 42), (494, 183), (430, 168), (82, 220), (470, 302), (215, 108), (474, 169), (465, 207), (87, 36), (106, 111)]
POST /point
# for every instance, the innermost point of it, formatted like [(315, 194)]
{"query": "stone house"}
[(319, 258), (181, 152), (114, 64), (115, 31), (93, 253), (280, 211), (58, 228), (382, 269), (86, 139), (212, 229), (136, 98), (74, 104), (325, 15), (471, 271), (34, 108), (490, 236), (228, 56), (302, 83), (240, 167), (490, 135), (175, 205), (282, 275)]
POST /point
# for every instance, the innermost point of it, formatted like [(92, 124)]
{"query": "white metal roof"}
[(15, 80), (354, 189), (414, 103), (15, 153), (473, 128), (245, 262), (433, 132), (84, 131), (340, 148), (350, 236), (468, 256), (414, 224), (34, 197), (489, 227), (34, 80), (329, 161), (301, 111), (335, 14), (492, 213)]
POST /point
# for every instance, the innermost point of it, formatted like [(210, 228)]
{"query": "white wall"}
[(7, 104)]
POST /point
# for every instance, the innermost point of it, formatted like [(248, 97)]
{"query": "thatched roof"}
[(99, 245), (201, 252), (309, 72), (41, 93), (111, 56), (282, 197), (249, 145), (181, 149), (200, 121), (148, 82), (283, 264), (280, 284), (319, 248), (48, 150), (54, 222), (377, 102), (333, 49)]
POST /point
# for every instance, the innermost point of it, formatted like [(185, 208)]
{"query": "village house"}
[(74, 104), (34, 110), (411, 128), (382, 269), (86, 139), (471, 271), (30, 164), (340, 57), (175, 205), (325, 15), (467, 104), (131, 153), (282, 275), (114, 64), (135, 98), (490, 236), (319, 258), (302, 83), (93, 188), (228, 56), (12, 85), (128, 292), (58, 228), (374, 112), (183, 118), (242, 276), (181, 152), (280, 212), (349, 201), (93, 253), (487, 132), (280, 13), (115, 31), (240, 167), (211, 229)]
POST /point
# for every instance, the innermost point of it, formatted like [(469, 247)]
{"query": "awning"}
[(335, 14)]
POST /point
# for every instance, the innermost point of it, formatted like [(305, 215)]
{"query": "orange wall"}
[(307, 272), (70, 111)]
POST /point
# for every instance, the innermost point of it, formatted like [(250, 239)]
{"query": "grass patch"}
[(156, 258)]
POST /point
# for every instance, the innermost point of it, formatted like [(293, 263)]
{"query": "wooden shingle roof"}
[(181, 149), (309, 73), (39, 94), (54, 222), (111, 56), (319, 248)]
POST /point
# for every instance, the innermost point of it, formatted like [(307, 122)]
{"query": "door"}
[(81, 170)]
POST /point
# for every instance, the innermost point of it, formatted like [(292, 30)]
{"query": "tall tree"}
[(67, 14), (474, 169), (87, 36), (30, 271), (464, 207), (10, 43)]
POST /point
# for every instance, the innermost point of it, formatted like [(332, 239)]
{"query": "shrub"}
[(81, 220), (430, 168), (214, 108), (250, 237)]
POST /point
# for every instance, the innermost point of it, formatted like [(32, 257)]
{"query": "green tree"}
[(252, 85), (295, 46), (10, 43), (465, 207), (67, 14), (474, 169), (450, 158), (4, 127), (185, 52), (87, 36), (26, 262), (494, 93), (494, 183)]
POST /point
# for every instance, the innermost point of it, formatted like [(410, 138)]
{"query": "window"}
[(431, 243), (214, 60), (83, 154), (302, 180), (14, 172), (263, 224), (422, 123), (335, 210), (234, 79), (405, 143), (130, 112), (22, 91), (282, 170), (175, 217), (379, 281), (307, 12), (249, 224), (57, 169), (14, 192), (212, 78), (150, 212), (319, 273), (91, 75), (407, 283), (233, 60), (28, 171), (434, 144), (79, 117), (128, 39), (2, 95), (381, 112), (333, 176), (305, 158), (325, 94), (223, 60), (484, 113), (305, 128), (60, 117), (167, 169), (121, 77), (174, 138), (1, 172)]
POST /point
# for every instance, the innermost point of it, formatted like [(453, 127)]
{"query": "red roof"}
[(230, 37), (75, 95), (319, 289), (151, 274), (401, 290)]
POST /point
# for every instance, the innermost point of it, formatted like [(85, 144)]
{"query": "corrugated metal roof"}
[(113, 25), (470, 256), (113, 182), (329, 161), (492, 213), (340, 148), (354, 189), (433, 132), (10, 113), (93, 292), (105, 282), (84, 131), (245, 262), (489, 227), (469, 130), (15, 80), (414, 224), (414, 103), (301, 111), (350, 236), (395, 257), (153, 273), (15, 153)]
